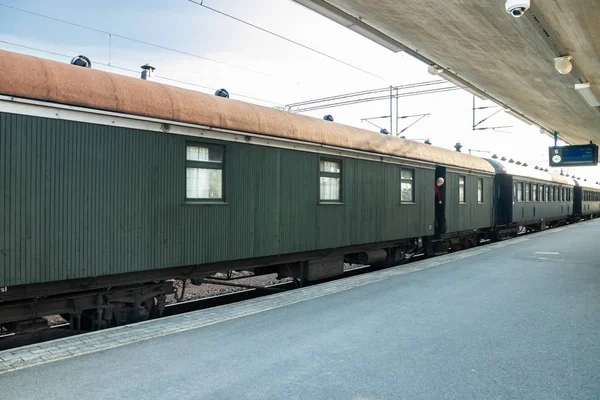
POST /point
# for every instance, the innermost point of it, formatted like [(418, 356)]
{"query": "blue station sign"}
[(572, 156)]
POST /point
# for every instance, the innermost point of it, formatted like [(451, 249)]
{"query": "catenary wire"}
[(110, 34), (136, 72), (201, 4)]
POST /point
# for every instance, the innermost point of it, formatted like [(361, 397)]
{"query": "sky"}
[(259, 68)]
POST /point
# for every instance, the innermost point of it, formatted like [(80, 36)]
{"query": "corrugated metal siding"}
[(80, 200), (471, 214), (588, 207), (536, 210), (401, 218)]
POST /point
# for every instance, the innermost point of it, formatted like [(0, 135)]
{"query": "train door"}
[(440, 209)]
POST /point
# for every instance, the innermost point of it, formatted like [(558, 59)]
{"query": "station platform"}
[(514, 319)]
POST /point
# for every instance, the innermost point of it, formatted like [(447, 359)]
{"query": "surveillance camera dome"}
[(517, 8)]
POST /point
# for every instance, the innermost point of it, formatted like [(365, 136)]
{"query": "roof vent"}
[(402, 137), (494, 156), (503, 159), (384, 131), (328, 118), (81, 61), (518, 163), (536, 167), (546, 170), (428, 141), (525, 165), (147, 72), (222, 93), (458, 146), (511, 161)]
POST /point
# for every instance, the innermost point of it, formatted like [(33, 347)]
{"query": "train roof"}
[(563, 179), (509, 168), (587, 185), (45, 80)]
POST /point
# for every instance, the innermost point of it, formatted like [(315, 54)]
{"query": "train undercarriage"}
[(90, 304)]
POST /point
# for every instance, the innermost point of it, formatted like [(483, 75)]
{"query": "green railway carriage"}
[(587, 199), (87, 200), (120, 183), (468, 201), (529, 197)]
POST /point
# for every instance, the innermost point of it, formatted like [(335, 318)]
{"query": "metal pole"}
[(391, 112), (473, 128), (396, 110), (555, 138)]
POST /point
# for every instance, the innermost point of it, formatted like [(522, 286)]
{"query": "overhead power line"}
[(393, 92), (375, 98), (137, 72), (366, 92), (111, 35), (201, 4)]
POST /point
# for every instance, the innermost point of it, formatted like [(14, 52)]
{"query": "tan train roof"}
[(587, 185), (40, 79)]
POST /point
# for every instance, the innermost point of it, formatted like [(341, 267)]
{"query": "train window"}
[(520, 191), (407, 187), (562, 191), (330, 180), (461, 189), (480, 190), (534, 192), (514, 191), (542, 193), (554, 193), (548, 193), (528, 192), (204, 172)]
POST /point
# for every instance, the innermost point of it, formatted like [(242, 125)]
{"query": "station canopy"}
[(510, 60)]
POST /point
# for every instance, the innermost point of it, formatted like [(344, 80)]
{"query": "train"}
[(112, 187)]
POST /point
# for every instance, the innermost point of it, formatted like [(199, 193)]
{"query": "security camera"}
[(516, 8)]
